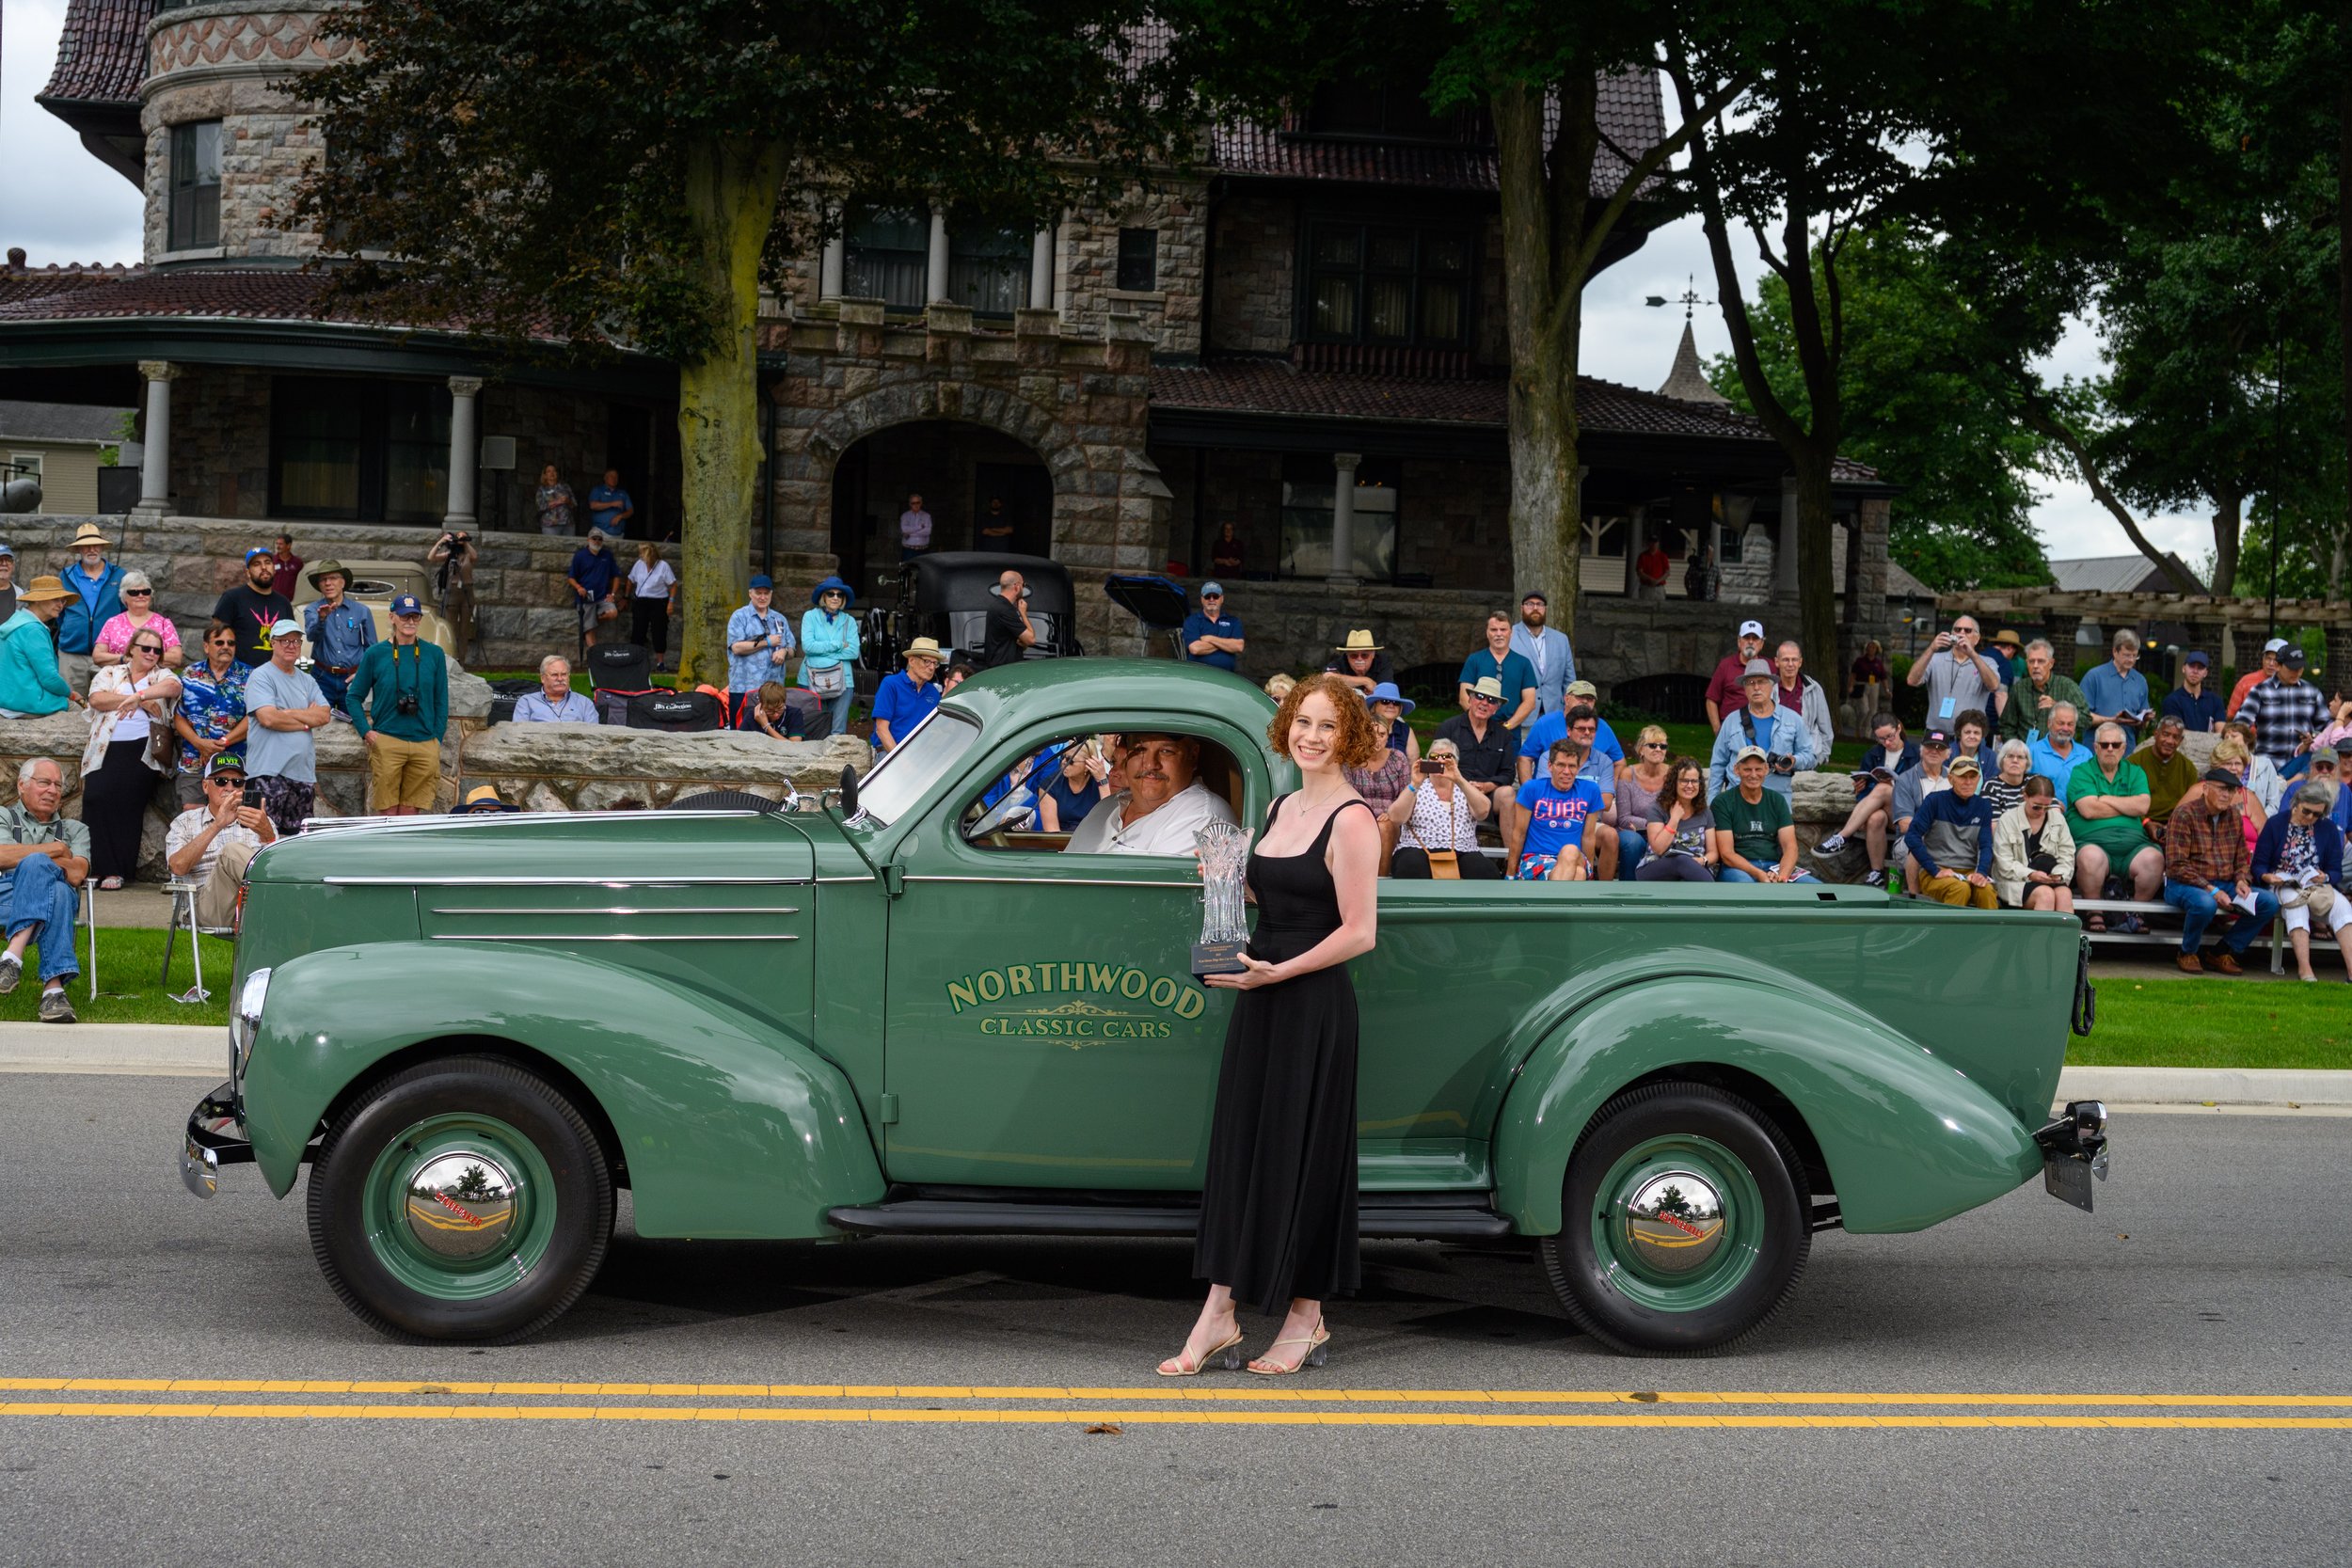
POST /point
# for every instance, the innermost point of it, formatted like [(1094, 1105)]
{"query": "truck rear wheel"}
[(461, 1200), (1684, 1222)]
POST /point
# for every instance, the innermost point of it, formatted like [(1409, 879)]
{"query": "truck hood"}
[(553, 846)]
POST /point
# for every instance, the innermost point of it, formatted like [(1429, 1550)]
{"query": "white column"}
[(935, 286), (1636, 531), (465, 448), (155, 459), (1041, 269), (1785, 540), (830, 269), (1344, 465)]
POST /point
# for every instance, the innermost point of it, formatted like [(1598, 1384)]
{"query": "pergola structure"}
[(2245, 623)]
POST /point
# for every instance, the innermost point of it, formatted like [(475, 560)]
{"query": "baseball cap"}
[(1937, 738), (2344, 746), (1212, 590), (223, 761), (2196, 656), (1757, 667), (7, 549), (406, 605), (2294, 656), (761, 579), (2274, 645), (1746, 752), (1488, 687), (258, 549), (1583, 689), (1967, 764), (1750, 628), (1537, 595), (285, 629)]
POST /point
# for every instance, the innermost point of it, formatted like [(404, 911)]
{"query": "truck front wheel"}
[(1684, 1222), (463, 1198)]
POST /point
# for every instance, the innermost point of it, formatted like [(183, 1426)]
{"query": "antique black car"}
[(944, 595)]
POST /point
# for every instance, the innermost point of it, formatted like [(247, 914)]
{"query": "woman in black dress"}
[(1277, 1210)]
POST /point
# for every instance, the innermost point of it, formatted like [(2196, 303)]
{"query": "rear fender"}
[(731, 1126), (1908, 1139)]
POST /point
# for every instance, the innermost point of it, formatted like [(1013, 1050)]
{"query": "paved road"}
[(2217, 1266)]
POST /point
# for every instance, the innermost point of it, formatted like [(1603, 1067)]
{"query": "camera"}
[(252, 795), (406, 705)]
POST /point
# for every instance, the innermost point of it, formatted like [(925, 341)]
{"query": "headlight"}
[(244, 1021)]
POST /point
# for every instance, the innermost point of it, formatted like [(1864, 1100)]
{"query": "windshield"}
[(906, 775)]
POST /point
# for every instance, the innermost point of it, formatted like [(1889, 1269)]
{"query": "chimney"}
[(16, 258)]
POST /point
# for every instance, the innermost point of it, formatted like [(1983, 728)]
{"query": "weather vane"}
[(1689, 298)]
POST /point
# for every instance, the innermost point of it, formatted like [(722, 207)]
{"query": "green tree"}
[(601, 174), (1923, 409)]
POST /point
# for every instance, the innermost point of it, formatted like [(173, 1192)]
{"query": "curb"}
[(152, 1050), (2201, 1085)]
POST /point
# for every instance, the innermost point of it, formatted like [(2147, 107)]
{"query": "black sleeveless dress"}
[(1278, 1208)]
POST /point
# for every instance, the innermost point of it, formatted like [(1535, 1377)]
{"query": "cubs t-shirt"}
[(1557, 816), (1754, 826)]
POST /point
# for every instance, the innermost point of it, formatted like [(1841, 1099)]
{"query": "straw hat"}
[(922, 647), (1359, 643), (42, 589), (89, 535)]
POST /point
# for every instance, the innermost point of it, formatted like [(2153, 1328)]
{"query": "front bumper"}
[(216, 1137), (2074, 1149)]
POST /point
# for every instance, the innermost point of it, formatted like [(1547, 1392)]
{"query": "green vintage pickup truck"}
[(910, 1014)]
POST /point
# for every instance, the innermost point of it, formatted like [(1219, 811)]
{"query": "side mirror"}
[(849, 791)]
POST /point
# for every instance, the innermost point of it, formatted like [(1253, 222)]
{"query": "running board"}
[(927, 1217)]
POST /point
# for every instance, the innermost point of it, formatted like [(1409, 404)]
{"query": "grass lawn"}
[(128, 961), (1682, 739), (2217, 1023)]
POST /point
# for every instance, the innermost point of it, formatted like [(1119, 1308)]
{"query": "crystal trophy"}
[(1224, 927)]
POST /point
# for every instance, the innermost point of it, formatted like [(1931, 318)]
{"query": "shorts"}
[(290, 802), (593, 611), (1535, 868), (2298, 914), (402, 772)]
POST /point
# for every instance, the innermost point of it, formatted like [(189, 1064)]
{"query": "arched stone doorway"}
[(972, 479)]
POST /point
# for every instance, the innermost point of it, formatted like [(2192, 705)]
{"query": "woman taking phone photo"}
[(1435, 821), (1277, 1210)]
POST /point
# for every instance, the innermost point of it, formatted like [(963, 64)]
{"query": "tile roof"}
[(60, 422), (102, 53), (1271, 386), (2114, 573), (249, 293)]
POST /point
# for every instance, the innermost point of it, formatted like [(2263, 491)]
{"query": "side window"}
[(194, 215), (1139, 793)]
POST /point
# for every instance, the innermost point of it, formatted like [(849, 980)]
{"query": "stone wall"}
[(220, 62), (523, 606), (220, 429), (1257, 256), (1087, 266)]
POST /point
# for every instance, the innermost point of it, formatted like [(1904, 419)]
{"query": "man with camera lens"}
[(211, 843), (1763, 724), (399, 702), (455, 554)]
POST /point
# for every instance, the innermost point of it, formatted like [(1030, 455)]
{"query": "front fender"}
[(1909, 1139), (731, 1126)]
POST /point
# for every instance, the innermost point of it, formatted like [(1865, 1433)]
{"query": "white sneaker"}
[(1829, 846), (11, 971)]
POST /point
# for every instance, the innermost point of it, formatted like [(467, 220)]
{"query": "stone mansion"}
[(1302, 337)]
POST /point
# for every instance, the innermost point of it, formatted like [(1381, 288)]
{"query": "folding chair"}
[(89, 921), (183, 893)]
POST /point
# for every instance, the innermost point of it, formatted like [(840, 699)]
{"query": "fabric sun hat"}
[(86, 535), (285, 629), (42, 589), (330, 567), (1387, 692), (761, 579), (482, 800), (1750, 628), (224, 762), (1758, 668), (1358, 642), (1746, 752), (924, 647), (406, 605), (834, 585), (1487, 686), (2004, 637)]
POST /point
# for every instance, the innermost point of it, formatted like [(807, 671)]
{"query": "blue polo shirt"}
[(2110, 690), (1555, 726), (594, 570), (610, 524), (1198, 625), (903, 705), (1513, 669)]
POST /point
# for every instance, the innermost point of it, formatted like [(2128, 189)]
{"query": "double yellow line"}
[(1177, 1404)]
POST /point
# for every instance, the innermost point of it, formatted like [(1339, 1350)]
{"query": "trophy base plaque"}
[(1217, 957)]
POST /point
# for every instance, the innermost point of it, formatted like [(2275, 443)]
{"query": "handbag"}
[(1444, 866), (828, 683)]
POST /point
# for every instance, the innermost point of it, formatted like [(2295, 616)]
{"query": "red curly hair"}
[(1361, 739)]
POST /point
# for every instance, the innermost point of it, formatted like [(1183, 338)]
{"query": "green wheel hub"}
[(1678, 1222), (460, 1207)]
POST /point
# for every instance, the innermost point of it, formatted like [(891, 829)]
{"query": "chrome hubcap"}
[(461, 1206), (1673, 1223)]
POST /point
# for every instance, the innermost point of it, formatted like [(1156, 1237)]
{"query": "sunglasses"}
[(155, 648), (1653, 746), (138, 593), (227, 781), (2109, 745)]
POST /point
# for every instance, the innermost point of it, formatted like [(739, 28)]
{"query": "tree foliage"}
[(1922, 406)]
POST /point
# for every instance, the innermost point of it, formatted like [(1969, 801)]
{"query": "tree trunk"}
[(2343, 276), (1816, 581), (1545, 319), (2228, 524), (731, 191)]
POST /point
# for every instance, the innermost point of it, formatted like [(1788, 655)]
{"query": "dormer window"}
[(195, 194)]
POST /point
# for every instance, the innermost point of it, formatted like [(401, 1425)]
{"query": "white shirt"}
[(1165, 832), (189, 823), (654, 581), (914, 530)]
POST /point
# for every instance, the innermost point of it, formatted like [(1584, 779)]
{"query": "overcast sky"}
[(63, 205)]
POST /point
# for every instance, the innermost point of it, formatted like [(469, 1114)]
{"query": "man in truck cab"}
[(1160, 805)]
